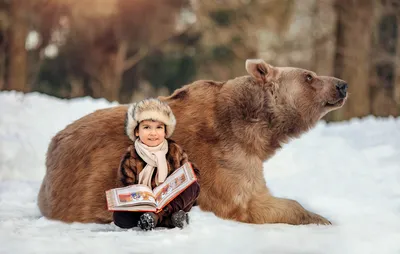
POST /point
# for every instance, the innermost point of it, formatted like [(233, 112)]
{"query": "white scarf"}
[(154, 157)]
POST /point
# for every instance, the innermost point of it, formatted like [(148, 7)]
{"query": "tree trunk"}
[(107, 78), (397, 66), (3, 38), (2, 60), (352, 63), (324, 26), (77, 87), (111, 82), (17, 55), (383, 88)]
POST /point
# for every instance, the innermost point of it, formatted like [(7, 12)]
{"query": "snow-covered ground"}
[(348, 172)]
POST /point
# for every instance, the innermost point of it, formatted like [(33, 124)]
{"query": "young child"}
[(150, 160)]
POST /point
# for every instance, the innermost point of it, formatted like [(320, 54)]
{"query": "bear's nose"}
[(342, 88)]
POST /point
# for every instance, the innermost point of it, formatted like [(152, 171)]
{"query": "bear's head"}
[(303, 90), (274, 104)]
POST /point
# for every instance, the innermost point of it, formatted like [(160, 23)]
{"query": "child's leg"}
[(126, 219), (183, 202), (173, 214), (186, 199)]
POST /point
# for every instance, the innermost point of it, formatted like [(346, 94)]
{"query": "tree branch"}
[(133, 60), (144, 51)]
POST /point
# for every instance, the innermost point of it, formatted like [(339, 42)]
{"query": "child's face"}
[(151, 133)]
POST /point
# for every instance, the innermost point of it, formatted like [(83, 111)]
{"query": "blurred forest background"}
[(125, 50)]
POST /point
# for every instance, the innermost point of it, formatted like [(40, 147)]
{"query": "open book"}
[(140, 198)]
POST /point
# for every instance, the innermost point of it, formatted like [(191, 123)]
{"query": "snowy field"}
[(348, 172)]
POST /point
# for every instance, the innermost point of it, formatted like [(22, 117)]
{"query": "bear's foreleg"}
[(268, 209)]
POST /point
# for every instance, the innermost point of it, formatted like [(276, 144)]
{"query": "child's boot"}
[(148, 221), (180, 219)]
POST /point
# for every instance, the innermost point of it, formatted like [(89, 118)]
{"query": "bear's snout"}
[(342, 89)]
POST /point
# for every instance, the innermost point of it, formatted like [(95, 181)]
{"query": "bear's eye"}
[(309, 77)]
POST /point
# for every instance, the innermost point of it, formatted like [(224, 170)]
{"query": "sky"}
[(349, 172)]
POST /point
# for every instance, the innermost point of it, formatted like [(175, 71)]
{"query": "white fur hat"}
[(149, 109)]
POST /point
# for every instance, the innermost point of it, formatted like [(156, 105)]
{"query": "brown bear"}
[(228, 130)]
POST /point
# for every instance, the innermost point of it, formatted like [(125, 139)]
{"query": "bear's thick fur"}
[(227, 128)]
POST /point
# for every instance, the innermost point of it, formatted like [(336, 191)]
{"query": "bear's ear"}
[(259, 69)]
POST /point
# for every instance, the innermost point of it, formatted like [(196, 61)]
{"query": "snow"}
[(348, 172)]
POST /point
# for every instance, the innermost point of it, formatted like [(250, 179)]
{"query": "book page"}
[(174, 185), (133, 195), (138, 208)]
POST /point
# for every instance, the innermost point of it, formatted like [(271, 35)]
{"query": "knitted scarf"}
[(155, 157)]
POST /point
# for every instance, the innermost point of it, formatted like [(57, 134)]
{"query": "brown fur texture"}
[(228, 130)]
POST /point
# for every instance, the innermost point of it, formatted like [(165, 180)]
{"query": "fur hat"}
[(149, 109)]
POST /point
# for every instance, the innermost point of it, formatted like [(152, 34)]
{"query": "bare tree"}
[(385, 60), (107, 44), (354, 31), (231, 32), (4, 21), (17, 56)]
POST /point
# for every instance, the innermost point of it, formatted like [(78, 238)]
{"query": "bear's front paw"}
[(314, 218)]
